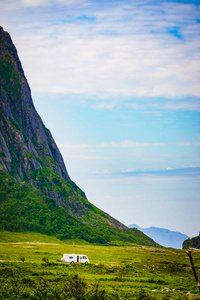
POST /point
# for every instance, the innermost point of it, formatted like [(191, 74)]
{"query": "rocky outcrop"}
[(25, 142)]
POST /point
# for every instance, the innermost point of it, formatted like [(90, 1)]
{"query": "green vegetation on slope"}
[(192, 243), (24, 208)]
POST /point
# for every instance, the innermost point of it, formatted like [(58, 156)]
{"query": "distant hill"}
[(163, 237), (192, 243), (36, 192)]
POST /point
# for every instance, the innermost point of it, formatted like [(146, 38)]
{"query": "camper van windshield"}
[(84, 257)]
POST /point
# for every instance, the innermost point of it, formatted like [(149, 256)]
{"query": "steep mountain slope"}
[(28, 151), (164, 237), (29, 155), (24, 208)]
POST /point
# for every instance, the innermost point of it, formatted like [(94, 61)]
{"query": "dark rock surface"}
[(24, 138)]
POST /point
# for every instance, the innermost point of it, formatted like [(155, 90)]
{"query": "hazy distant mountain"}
[(164, 237)]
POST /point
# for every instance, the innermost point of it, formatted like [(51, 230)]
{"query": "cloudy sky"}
[(118, 84)]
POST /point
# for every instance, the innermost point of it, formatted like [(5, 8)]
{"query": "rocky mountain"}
[(26, 145), (164, 237), (192, 243), (33, 173)]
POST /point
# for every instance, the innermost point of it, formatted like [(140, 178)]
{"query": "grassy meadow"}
[(31, 268)]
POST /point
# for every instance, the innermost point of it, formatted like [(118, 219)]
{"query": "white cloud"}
[(182, 173), (186, 143), (106, 172), (35, 2), (107, 67), (126, 51), (128, 170), (123, 144), (129, 144), (72, 2), (16, 5), (190, 105)]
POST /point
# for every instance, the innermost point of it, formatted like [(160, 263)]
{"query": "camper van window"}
[(84, 257), (70, 257)]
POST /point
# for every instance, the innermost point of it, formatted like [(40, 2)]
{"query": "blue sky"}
[(117, 83)]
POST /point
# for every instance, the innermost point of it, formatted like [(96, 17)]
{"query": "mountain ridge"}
[(30, 152), (32, 167), (162, 236), (23, 109)]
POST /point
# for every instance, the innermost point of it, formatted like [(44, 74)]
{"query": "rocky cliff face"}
[(25, 142), (27, 149)]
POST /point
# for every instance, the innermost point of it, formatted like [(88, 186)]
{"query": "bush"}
[(143, 295)]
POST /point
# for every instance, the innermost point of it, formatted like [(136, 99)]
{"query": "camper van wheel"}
[(72, 262)]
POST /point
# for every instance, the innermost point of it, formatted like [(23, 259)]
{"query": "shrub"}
[(22, 259), (143, 295)]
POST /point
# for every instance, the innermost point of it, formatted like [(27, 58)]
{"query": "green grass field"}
[(31, 268)]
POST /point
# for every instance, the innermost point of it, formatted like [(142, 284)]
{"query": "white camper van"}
[(75, 258)]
